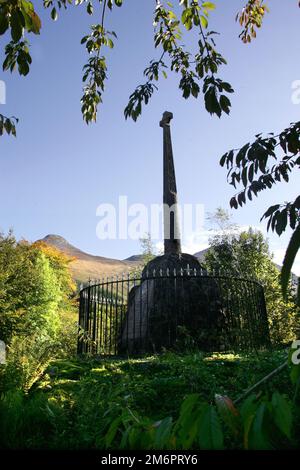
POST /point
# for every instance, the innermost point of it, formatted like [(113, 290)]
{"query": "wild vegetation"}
[(37, 313), (246, 254), (185, 399), (166, 401)]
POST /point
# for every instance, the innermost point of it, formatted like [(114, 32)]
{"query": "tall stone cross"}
[(172, 242)]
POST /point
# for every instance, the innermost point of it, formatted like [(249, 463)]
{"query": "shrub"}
[(35, 290)]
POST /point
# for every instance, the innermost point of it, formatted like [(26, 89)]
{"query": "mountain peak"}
[(84, 265), (58, 242), (54, 237)]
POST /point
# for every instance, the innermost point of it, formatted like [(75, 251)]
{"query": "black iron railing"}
[(134, 315)]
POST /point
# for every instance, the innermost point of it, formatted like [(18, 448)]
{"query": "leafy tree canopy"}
[(247, 254), (198, 72), (35, 284)]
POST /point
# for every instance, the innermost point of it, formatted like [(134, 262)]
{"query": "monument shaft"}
[(172, 242)]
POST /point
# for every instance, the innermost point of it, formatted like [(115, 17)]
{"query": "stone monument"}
[(169, 298)]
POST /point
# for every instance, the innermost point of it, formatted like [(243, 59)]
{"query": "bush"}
[(35, 290), (247, 255)]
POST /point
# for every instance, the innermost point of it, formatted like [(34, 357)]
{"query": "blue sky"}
[(58, 170)]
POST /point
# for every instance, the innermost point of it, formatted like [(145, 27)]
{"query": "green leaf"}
[(281, 222), (90, 8), (3, 24), (245, 176), (270, 211), (54, 14), (188, 404), (110, 43), (289, 258), (242, 154), (204, 21), (211, 102), (282, 414), (208, 5), (223, 159), (233, 203), (227, 87), (225, 104), (188, 423), (210, 431), (258, 440), (8, 125), (16, 25), (112, 431), (195, 89), (188, 24), (163, 433), (248, 410)]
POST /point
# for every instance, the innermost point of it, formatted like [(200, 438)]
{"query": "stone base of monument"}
[(166, 309)]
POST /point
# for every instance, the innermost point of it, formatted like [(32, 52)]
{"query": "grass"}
[(73, 404)]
